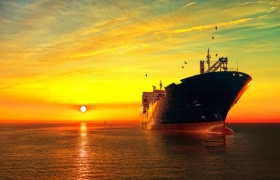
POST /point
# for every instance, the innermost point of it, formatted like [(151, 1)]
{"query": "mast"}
[(208, 58), (221, 63)]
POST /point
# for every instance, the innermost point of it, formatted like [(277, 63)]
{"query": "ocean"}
[(86, 151)]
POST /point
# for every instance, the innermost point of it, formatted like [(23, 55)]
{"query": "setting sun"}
[(83, 109)]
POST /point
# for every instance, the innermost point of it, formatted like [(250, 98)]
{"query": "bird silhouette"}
[(182, 66), (186, 62), (212, 37), (146, 75), (216, 55), (216, 27)]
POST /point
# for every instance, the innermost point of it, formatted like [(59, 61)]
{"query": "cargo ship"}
[(199, 103)]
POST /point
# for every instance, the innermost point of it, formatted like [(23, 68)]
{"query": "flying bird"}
[(216, 55), (212, 37), (182, 66), (186, 62), (146, 75), (216, 27)]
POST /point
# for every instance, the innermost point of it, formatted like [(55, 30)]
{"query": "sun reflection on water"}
[(83, 127), (83, 163)]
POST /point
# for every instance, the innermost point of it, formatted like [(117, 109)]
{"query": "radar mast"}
[(208, 59)]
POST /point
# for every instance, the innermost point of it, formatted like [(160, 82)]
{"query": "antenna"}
[(237, 64), (208, 59)]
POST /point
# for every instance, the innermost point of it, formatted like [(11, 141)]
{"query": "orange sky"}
[(56, 56)]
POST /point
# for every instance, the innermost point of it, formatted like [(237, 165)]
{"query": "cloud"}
[(255, 2), (209, 26), (190, 4), (109, 105)]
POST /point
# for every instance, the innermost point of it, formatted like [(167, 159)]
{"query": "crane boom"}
[(221, 63)]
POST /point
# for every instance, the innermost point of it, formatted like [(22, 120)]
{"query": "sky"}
[(58, 55)]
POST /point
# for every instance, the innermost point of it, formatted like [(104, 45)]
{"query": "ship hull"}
[(200, 103)]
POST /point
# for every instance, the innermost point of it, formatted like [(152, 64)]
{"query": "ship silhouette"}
[(200, 103)]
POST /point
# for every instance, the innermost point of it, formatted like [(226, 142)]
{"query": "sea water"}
[(129, 152)]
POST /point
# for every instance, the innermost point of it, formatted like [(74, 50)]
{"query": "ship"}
[(199, 103)]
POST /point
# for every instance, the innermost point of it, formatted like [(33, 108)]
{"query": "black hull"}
[(202, 99)]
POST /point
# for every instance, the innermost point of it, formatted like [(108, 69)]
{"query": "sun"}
[(83, 109)]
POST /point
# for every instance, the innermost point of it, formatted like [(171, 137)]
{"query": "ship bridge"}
[(151, 97)]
